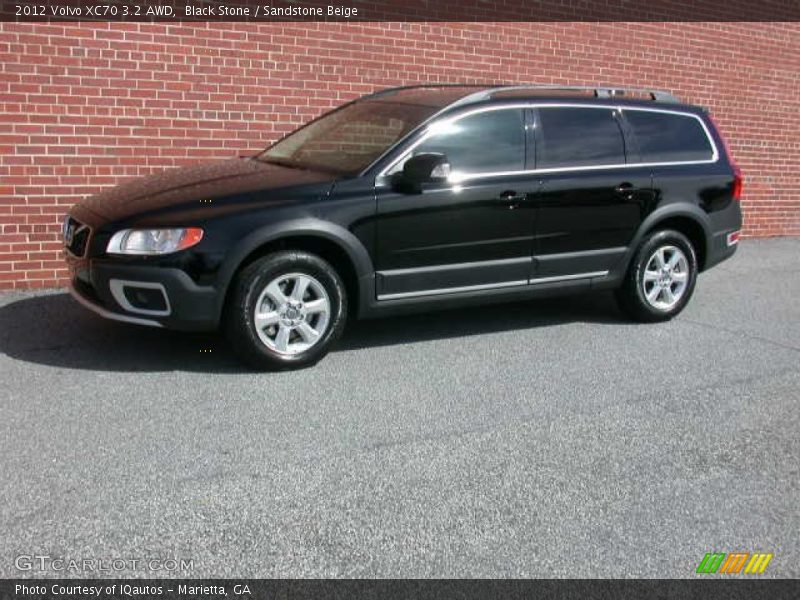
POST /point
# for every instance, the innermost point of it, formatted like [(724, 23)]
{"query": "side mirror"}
[(421, 169)]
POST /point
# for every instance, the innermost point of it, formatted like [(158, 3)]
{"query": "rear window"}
[(666, 137), (576, 137)]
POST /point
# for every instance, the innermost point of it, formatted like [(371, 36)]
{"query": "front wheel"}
[(285, 311), (661, 278)]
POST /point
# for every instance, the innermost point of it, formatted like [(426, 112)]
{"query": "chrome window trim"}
[(116, 286), (429, 131)]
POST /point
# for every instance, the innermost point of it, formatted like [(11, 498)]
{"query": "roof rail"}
[(655, 95), (490, 89), (599, 92)]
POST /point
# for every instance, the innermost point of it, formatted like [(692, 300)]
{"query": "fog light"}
[(146, 298), (142, 297)]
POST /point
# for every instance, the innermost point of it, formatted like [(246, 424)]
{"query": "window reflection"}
[(573, 137), (664, 137), (485, 142)]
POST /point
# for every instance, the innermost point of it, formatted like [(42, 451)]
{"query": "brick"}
[(86, 105)]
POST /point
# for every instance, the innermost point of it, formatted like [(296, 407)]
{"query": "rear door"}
[(472, 232), (591, 202)]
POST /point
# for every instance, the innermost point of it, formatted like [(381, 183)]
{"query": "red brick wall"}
[(85, 106)]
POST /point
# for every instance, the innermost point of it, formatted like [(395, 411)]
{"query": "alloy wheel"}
[(666, 277), (292, 313)]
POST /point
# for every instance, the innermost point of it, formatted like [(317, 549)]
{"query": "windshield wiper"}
[(283, 162)]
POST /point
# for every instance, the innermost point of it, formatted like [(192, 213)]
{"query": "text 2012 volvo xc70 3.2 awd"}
[(417, 197)]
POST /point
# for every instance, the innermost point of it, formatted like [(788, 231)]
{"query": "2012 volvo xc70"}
[(417, 197)]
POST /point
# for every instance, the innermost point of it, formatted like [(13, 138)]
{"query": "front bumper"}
[(189, 306), (83, 297)]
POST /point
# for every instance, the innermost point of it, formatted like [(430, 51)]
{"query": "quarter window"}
[(489, 141), (576, 137), (665, 137)]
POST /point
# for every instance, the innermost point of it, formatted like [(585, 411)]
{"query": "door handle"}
[(626, 190), (511, 197)]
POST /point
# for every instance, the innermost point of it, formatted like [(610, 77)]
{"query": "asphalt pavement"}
[(540, 439)]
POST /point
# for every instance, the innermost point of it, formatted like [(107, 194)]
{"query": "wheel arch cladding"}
[(331, 242), (689, 227), (691, 221)]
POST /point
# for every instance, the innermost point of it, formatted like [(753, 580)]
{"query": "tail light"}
[(738, 180)]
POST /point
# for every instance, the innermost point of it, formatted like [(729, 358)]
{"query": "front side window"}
[(486, 142), (578, 137), (668, 137), (349, 139)]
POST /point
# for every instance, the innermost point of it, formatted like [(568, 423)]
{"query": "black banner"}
[(398, 10), (400, 589)]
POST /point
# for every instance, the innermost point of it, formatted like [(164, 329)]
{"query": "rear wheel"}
[(661, 278), (285, 311)]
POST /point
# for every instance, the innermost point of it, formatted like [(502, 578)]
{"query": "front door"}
[(472, 232)]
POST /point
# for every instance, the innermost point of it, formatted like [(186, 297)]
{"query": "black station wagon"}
[(417, 198)]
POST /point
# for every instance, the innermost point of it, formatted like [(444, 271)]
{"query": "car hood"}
[(177, 187)]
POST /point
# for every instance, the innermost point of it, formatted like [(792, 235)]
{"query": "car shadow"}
[(54, 330)]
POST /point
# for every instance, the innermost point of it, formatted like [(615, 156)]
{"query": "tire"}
[(651, 294), (274, 284)]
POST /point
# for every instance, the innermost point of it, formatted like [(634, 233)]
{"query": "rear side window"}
[(665, 137), (489, 141), (577, 137)]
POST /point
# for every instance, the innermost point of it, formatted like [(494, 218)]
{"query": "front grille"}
[(76, 236)]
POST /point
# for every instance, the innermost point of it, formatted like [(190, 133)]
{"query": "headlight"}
[(153, 241)]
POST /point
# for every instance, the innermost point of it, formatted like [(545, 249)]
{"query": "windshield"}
[(349, 139)]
